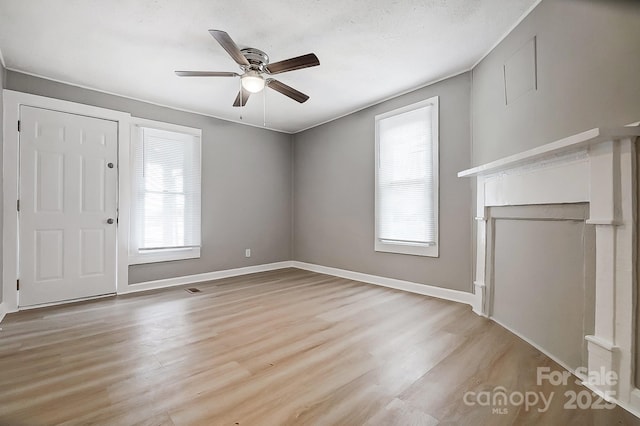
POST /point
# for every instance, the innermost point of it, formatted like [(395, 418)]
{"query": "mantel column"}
[(612, 209), (479, 284)]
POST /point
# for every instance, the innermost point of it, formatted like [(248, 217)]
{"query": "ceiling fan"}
[(255, 66)]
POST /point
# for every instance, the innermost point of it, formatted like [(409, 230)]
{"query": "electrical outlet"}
[(247, 253)]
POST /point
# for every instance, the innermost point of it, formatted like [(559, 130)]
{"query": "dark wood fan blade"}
[(228, 44), (287, 90), (206, 74), (242, 98), (304, 61)]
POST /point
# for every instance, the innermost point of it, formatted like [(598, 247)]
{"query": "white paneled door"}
[(68, 208)]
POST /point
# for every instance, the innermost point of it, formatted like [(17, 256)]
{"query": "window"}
[(406, 192), (165, 214)]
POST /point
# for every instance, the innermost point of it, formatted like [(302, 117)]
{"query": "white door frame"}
[(11, 149)]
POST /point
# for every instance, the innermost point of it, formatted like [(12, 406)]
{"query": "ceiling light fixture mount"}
[(252, 79)]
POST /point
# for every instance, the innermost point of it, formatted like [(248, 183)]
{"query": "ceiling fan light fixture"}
[(252, 81)]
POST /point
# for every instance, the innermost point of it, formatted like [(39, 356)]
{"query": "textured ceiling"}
[(368, 50)]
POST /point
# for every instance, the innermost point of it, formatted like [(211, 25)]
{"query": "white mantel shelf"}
[(561, 147), (597, 167)]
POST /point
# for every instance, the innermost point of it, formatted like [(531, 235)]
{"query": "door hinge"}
[(18, 285), (18, 125), (18, 205)]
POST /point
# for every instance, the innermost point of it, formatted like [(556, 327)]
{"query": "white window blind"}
[(406, 179), (166, 196)]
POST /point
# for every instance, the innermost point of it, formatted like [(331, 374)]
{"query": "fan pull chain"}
[(264, 107), (240, 81)]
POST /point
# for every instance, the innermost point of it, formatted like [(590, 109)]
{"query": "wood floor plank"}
[(285, 347)]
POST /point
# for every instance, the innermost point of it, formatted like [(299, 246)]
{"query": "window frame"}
[(428, 250), (137, 257)]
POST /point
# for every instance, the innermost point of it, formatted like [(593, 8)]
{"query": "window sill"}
[(163, 256), (415, 250)]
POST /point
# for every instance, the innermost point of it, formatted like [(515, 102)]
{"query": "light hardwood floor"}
[(275, 348)]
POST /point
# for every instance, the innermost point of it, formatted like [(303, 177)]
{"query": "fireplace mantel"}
[(597, 167), (575, 143)]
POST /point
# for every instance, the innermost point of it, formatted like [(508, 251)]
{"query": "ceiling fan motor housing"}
[(258, 60)]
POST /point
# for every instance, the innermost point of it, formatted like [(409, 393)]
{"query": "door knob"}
[(110, 221), (110, 165)]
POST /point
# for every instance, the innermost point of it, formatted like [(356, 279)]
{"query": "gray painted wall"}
[(587, 76), (543, 276), (246, 183), (537, 284), (334, 193), (637, 293), (587, 68), (3, 74)]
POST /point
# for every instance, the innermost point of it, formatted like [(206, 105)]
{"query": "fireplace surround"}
[(598, 167)]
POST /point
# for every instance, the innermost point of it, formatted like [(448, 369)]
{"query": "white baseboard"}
[(207, 276), (632, 406), (538, 347), (426, 290), (3, 311)]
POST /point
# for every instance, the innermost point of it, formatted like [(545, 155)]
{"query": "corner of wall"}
[(292, 157), (3, 77), (472, 182)]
